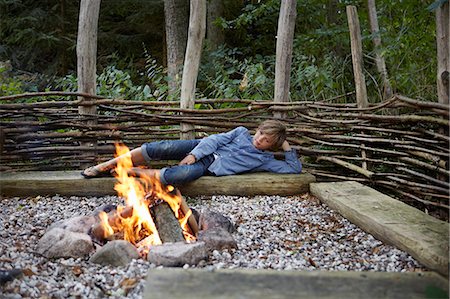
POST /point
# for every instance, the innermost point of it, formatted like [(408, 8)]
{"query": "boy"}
[(227, 153)]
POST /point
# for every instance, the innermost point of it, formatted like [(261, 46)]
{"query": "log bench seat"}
[(424, 237), (70, 183)]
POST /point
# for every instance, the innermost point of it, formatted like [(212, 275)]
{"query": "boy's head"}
[(270, 135)]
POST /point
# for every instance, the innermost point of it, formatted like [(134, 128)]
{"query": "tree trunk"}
[(381, 64), (285, 40), (443, 52), (197, 24), (87, 59), (214, 34), (176, 18), (357, 56)]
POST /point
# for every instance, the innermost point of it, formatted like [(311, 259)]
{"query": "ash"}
[(273, 232)]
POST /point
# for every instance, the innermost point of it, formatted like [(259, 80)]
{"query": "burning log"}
[(191, 220), (100, 232), (167, 224)]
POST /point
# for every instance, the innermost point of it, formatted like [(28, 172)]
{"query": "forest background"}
[(38, 49)]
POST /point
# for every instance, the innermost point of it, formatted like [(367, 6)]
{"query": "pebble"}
[(273, 232)]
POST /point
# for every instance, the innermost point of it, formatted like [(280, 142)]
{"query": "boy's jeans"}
[(176, 150)]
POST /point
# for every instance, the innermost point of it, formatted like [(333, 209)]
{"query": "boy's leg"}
[(177, 175), (182, 174), (159, 150), (136, 157), (168, 149)]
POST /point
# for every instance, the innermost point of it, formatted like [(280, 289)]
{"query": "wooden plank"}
[(70, 183), (389, 220), (255, 284)]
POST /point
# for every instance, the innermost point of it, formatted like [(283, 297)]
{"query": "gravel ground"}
[(273, 232)]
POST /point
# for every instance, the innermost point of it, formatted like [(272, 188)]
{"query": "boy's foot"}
[(144, 172), (94, 172)]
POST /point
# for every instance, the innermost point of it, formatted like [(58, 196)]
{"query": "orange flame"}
[(139, 228)]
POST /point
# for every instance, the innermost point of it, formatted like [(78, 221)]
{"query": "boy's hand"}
[(285, 146), (188, 160)]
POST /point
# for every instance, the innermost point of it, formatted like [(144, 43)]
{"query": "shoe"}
[(94, 172)]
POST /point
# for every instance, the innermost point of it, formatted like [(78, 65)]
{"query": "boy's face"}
[(263, 141)]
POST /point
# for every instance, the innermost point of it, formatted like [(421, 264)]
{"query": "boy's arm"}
[(211, 143), (291, 164)]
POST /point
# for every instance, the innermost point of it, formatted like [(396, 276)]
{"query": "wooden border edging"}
[(389, 220), (254, 284), (72, 183)]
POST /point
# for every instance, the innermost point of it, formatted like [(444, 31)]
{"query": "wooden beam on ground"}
[(68, 183), (424, 237), (174, 283)]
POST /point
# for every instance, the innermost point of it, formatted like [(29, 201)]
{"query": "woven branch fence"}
[(400, 145)]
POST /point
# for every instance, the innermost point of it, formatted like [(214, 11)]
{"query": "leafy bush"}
[(9, 85), (115, 83)]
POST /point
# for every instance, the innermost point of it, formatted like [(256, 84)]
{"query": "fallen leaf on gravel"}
[(312, 262), (77, 271), (376, 250), (128, 283), (28, 272)]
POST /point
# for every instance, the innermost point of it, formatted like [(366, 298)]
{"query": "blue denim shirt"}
[(235, 153)]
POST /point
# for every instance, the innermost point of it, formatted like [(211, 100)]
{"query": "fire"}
[(134, 219)]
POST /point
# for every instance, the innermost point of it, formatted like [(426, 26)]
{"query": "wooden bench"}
[(391, 221), (72, 183)]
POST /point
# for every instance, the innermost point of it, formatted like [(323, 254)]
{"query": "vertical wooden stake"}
[(285, 40), (196, 33), (443, 52), (360, 82), (381, 64), (87, 59), (356, 45)]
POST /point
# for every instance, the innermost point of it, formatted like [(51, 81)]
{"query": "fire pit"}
[(155, 218)]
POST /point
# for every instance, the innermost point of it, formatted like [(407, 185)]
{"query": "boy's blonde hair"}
[(276, 130)]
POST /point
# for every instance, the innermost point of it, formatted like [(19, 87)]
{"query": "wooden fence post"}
[(197, 27), (443, 52), (285, 40), (360, 82), (87, 58), (381, 64), (356, 44)]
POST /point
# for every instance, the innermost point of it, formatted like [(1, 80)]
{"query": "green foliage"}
[(9, 85), (322, 65), (223, 75), (40, 36), (115, 83)]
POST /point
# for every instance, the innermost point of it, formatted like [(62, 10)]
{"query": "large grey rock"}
[(115, 253), (104, 208), (78, 224), (211, 219), (217, 239), (59, 242), (177, 254)]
